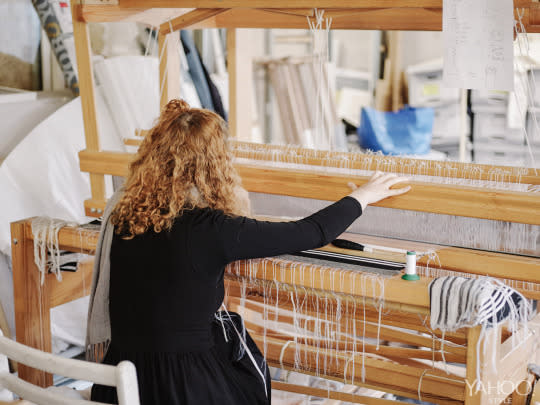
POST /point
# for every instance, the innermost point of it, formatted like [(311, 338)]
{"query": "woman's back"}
[(162, 311), (156, 293)]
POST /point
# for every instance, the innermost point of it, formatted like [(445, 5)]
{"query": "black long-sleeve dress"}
[(180, 354)]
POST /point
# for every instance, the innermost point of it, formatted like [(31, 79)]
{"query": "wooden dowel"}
[(292, 154), (186, 20), (32, 310), (330, 394), (380, 373), (83, 53)]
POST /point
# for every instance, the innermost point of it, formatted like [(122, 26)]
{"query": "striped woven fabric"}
[(458, 302)]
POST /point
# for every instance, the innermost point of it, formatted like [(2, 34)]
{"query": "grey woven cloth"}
[(98, 331)]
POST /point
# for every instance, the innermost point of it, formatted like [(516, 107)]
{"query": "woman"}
[(180, 221)]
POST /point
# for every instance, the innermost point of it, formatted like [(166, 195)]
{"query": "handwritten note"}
[(478, 50)]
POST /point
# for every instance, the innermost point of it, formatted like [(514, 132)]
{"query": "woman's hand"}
[(378, 188)]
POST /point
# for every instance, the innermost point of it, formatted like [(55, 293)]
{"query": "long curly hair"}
[(182, 163)]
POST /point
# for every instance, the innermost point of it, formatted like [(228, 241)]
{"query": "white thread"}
[(420, 385), (283, 348), (246, 348), (347, 367)]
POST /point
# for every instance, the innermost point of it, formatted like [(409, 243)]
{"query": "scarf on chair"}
[(98, 331)]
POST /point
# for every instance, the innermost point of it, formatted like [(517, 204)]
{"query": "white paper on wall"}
[(478, 51)]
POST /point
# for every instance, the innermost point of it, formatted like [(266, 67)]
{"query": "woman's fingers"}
[(395, 180), (352, 186), (398, 191), (377, 175)]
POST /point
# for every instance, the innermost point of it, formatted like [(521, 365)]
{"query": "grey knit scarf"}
[(98, 331)]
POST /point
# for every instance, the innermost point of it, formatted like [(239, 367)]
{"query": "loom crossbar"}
[(350, 14), (425, 197)]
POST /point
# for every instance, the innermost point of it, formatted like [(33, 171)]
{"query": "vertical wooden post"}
[(4, 327), (231, 67), (395, 61), (88, 102), (32, 312), (240, 85), (486, 389), (521, 393), (471, 395), (169, 67)]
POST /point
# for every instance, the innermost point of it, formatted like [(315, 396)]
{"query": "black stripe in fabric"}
[(352, 257), (430, 289), (350, 261), (473, 282)]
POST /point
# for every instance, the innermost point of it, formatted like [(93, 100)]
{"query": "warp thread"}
[(47, 254)]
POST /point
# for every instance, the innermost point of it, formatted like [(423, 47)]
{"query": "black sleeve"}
[(226, 239)]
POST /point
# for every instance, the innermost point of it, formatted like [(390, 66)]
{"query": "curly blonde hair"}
[(182, 163)]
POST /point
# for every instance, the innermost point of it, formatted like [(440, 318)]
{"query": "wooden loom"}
[(395, 369)]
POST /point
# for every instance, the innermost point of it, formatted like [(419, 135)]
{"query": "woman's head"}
[(182, 163)]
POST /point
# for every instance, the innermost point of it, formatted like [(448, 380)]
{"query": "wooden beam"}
[(384, 14), (94, 208), (239, 66), (107, 2), (462, 260), (308, 311), (88, 102), (424, 197), (233, 83), (313, 157), (392, 19), (407, 296), (395, 57), (32, 311), (451, 258), (382, 374), (4, 327), (74, 285), (187, 20), (75, 239), (420, 19), (294, 3), (482, 263), (254, 299), (335, 395), (132, 142), (92, 13), (169, 67), (115, 163), (280, 3), (435, 168)]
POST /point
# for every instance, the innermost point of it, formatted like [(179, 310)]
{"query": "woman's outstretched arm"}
[(233, 238)]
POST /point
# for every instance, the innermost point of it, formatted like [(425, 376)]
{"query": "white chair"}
[(123, 376)]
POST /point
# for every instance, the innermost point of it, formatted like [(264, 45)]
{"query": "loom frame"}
[(34, 301), (453, 200)]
